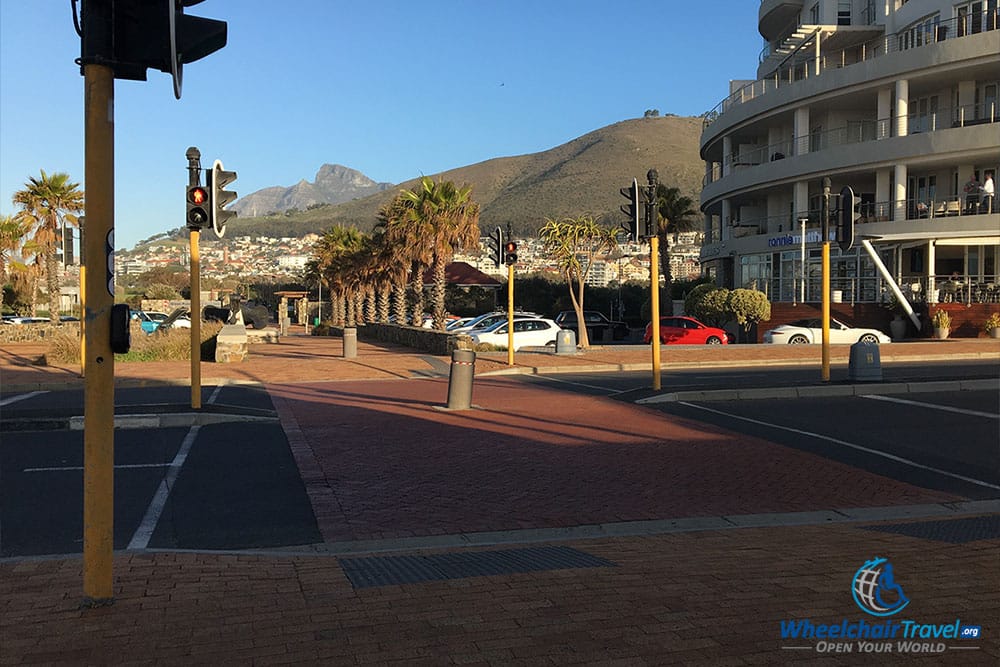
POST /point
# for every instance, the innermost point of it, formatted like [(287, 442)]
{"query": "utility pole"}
[(654, 273)]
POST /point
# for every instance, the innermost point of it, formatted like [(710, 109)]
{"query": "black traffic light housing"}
[(133, 35), (218, 179), (198, 203), (496, 248), (631, 210), (121, 333), (849, 214), (510, 253)]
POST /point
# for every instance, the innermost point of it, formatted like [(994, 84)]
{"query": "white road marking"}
[(945, 408), (575, 384), (819, 436), (21, 397), (121, 467), (140, 540)]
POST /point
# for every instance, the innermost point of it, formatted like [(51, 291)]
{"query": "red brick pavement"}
[(380, 460), (392, 464)]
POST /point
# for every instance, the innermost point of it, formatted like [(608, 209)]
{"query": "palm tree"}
[(12, 233), (442, 219), (49, 204), (333, 255), (675, 213)]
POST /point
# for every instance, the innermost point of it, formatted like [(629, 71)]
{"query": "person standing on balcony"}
[(988, 191), (971, 194)]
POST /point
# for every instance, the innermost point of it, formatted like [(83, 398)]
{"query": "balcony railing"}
[(856, 133), (803, 67)]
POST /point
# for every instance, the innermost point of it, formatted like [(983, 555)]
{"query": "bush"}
[(171, 345), (748, 307), (941, 319)]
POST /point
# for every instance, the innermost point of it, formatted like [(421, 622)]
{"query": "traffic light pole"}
[(510, 314), (194, 179), (825, 287), (97, 358), (654, 274)]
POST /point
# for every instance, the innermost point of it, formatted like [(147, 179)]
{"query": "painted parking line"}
[(945, 408), (140, 540), (844, 443), (21, 397)]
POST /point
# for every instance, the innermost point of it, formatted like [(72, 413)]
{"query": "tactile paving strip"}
[(954, 531), (389, 570)]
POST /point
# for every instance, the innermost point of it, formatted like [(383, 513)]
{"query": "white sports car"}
[(811, 331)]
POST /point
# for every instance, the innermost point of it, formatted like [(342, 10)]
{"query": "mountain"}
[(334, 184), (583, 176)]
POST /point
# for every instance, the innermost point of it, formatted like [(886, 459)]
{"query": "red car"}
[(686, 331)]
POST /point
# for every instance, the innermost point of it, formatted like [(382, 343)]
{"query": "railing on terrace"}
[(966, 289), (803, 68), (884, 211), (855, 133)]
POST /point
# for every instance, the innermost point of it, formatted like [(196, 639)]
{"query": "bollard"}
[(463, 367), (350, 343)]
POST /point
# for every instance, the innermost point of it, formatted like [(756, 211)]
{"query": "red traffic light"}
[(510, 246), (198, 195)]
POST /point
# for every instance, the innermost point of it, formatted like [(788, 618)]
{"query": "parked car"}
[(528, 332), (679, 330), (28, 320), (811, 331), (489, 320), (595, 321)]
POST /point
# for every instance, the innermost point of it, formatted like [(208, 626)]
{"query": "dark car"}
[(599, 327)]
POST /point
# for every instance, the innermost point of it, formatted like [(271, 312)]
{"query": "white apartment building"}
[(896, 99)]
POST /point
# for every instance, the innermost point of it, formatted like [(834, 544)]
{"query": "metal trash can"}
[(865, 364), (566, 342)]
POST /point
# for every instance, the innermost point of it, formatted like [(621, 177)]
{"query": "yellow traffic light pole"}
[(825, 284), (195, 321), (654, 281), (98, 359), (510, 314)]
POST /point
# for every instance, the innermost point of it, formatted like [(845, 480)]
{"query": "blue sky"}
[(393, 89)]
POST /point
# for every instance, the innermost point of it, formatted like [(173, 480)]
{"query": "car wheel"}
[(869, 338), (713, 340), (663, 341), (798, 339), (551, 343)]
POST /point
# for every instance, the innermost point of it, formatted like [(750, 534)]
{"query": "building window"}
[(814, 14), (844, 13)]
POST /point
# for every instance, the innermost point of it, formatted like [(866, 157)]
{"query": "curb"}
[(823, 391)]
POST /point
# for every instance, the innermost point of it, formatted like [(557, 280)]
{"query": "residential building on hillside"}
[(895, 99)]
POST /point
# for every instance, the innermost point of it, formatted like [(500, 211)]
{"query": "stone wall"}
[(417, 338), (32, 333)]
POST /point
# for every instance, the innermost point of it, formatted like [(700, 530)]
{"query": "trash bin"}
[(865, 364), (566, 342)]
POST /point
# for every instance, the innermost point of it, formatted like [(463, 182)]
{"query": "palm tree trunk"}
[(369, 304), (52, 282), (399, 302), (666, 303), (417, 292), (384, 292), (438, 293)]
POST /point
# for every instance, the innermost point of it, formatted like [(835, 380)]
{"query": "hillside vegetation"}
[(581, 176)]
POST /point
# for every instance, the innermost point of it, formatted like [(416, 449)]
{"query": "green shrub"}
[(748, 307)]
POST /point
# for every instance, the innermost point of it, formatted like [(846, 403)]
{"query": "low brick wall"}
[(31, 333), (417, 338)]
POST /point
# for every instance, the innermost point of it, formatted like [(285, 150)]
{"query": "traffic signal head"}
[(850, 212), (131, 36), (631, 210), (496, 248), (197, 207), (219, 178), (510, 253)]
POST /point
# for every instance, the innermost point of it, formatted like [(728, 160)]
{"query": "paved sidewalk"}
[(648, 513)]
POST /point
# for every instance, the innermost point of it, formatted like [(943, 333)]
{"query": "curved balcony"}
[(775, 16)]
